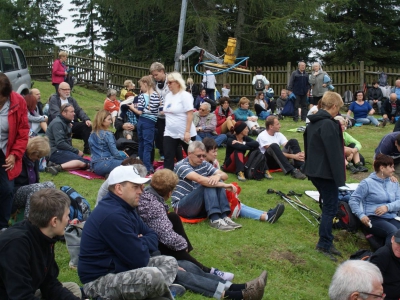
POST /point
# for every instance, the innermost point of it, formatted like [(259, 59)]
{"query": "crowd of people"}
[(132, 236)]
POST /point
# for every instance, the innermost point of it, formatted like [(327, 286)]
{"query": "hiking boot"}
[(240, 176), (53, 170), (384, 122), (335, 251), (177, 290), (326, 252), (361, 168), (260, 281), (352, 168), (231, 223), (224, 275), (275, 213), (267, 175), (298, 175), (255, 288), (221, 225)]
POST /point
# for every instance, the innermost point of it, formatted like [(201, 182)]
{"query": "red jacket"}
[(58, 73), (221, 117), (18, 132)]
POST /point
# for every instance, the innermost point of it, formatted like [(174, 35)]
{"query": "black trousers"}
[(301, 101), (81, 131), (173, 149), (276, 159)]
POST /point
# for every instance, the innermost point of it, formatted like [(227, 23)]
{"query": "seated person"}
[(244, 114), (27, 182), (363, 111), (387, 259), (396, 89), (200, 98), (62, 155), (237, 145), (111, 104), (391, 108), (172, 238), (390, 145), (28, 269), (200, 192), (205, 123), (129, 87), (245, 211), (105, 155), (375, 96), (36, 94), (352, 155), (81, 127), (260, 104), (126, 123), (376, 200), (271, 141), (281, 101), (225, 116), (37, 122), (269, 97), (356, 279)]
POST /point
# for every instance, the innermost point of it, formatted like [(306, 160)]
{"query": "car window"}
[(21, 57), (9, 59)]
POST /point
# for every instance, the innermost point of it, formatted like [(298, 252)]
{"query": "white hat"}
[(126, 173)]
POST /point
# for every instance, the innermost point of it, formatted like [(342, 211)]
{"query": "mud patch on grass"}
[(289, 256)]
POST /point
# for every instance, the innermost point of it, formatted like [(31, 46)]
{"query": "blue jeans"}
[(203, 202), (368, 120), (146, 129), (197, 281), (6, 194), (329, 193), (105, 166), (250, 212), (219, 139), (384, 228)]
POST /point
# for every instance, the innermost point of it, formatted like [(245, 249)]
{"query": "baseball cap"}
[(126, 173), (397, 237)]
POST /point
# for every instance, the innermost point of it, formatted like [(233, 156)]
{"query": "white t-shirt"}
[(264, 79), (175, 109), (260, 102), (264, 139)]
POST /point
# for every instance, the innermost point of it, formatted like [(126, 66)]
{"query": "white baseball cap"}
[(126, 173)]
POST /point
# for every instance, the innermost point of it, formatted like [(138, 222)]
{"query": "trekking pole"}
[(298, 202)]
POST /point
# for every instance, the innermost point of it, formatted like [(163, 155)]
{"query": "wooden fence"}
[(111, 73)]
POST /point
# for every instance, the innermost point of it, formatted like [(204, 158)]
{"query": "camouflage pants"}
[(149, 282)]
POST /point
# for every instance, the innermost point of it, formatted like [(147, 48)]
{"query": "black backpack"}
[(255, 166), (259, 85), (345, 219)]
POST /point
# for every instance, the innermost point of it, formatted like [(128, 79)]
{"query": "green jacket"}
[(348, 139)]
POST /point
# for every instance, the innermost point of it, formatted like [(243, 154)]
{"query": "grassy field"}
[(285, 249)]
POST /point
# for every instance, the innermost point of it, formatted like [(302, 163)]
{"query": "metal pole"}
[(180, 34)]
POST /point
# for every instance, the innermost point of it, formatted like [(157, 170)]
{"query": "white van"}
[(13, 64)]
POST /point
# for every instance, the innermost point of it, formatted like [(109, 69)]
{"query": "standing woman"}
[(316, 79), (14, 131), (105, 155), (59, 71), (179, 128)]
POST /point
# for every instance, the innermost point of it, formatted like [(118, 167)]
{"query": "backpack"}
[(345, 219), (80, 207), (255, 166), (73, 234), (362, 254), (348, 97), (259, 85), (288, 109), (383, 79)]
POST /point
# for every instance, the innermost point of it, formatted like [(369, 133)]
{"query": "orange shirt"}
[(111, 105)]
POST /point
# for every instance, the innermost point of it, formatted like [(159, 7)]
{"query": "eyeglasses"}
[(200, 155), (65, 89), (382, 296), (169, 82)]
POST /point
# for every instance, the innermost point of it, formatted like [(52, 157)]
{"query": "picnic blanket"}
[(86, 174)]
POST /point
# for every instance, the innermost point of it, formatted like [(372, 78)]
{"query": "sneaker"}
[(335, 251), (267, 175), (298, 175), (275, 213), (352, 168), (327, 253), (177, 290), (240, 176), (361, 168), (224, 275), (221, 225), (53, 170), (231, 223)]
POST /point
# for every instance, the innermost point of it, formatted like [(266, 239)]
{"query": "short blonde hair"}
[(330, 99), (243, 100), (175, 76), (62, 54), (340, 119), (189, 80), (128, 82), (38, 145), (164, 181)]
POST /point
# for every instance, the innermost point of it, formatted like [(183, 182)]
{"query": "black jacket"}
[(387, 108), (59, 133), (27, 264), (250, 145), (389, 265), (55, 106), (298, 83), (375, 94), (324, 148)]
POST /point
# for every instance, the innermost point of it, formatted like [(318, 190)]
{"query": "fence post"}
[(288, 73), (105, 72), (362, 74)]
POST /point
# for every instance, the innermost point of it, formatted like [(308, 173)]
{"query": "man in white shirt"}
[(271, 141), (209, 82)]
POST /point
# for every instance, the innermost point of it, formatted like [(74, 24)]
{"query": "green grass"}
[(285, 249)]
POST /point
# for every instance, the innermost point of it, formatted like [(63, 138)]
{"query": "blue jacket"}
[(110, 242), (103, 146), (298, 83), (373, 192), (242, 114)]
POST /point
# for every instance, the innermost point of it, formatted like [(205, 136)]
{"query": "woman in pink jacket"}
[(59, 70)]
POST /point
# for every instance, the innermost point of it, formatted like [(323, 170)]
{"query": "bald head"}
[(35, 93), (397, 83), (393, 97)]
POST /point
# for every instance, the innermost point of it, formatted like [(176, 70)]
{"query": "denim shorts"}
[(64, 156)]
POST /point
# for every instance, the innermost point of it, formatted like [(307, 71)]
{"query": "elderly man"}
[(387, 259), (396, 89), (63, 156), (82, 126), (201, 192), (391, 108), (356, 279), (206, 123), (299, 85)]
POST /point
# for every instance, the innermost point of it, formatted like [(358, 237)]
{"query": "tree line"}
[(270, 32)]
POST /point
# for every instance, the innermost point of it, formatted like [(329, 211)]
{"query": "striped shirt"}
[(186, 186), (150, 105)]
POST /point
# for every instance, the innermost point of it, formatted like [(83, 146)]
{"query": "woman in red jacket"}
[(225, 116), (59, 70), (14, 131)]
